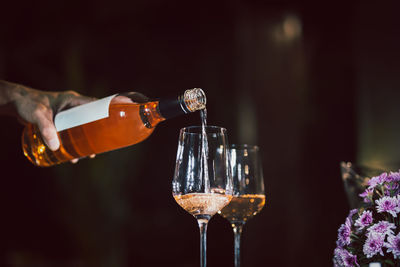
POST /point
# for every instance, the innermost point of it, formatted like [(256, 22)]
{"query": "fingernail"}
[(54, 144)]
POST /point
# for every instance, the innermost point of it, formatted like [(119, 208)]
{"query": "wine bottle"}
[(106, 124)]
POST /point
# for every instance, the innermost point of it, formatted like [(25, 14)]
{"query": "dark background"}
[(312, 84)]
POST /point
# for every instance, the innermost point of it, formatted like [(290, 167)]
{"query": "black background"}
[(293, 91)]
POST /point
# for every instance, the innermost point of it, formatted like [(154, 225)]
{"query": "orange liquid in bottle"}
[(127, 124)]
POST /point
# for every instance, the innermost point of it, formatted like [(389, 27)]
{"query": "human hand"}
[(39, 107)]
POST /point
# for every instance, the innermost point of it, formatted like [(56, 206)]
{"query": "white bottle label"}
[(83, 114)]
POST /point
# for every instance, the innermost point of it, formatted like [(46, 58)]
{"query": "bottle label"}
[(83, 114)]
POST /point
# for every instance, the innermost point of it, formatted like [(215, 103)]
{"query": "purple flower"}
[(377, 180), (393, 245), (344, 233), (351, 214), (337, 257), (387, 204), (367, 195), (349, 259), (398, 203), (344, 258), (392, 186), (373, 245), (364, 220), (383, 228), (393, 177), (369, 233)]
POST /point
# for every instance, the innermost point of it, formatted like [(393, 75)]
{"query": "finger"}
[(122, 99), (137, 97), (77, 159), (71, 99), (80, 100), (48, 131)]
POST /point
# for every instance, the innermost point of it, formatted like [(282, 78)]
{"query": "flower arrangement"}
[(371, 233)]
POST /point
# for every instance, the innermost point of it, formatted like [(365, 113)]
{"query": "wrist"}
[(9, 94)]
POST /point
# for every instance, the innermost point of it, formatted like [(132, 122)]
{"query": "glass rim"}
[(198, 129), (244, 146), (369, 170)]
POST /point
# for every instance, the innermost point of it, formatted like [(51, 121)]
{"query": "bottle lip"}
[(193, 99)]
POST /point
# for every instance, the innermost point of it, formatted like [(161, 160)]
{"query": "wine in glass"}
[(202, 183), (248, 190)]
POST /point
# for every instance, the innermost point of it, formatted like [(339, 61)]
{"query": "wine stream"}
[(204, 151)]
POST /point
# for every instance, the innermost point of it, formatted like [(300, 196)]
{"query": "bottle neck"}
[(190, 101), (172, 107)]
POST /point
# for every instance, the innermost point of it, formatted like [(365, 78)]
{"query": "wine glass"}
[(248, 190), (355, 180), (202, 183)]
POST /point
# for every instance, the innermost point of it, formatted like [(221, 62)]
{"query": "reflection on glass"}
[(248, 190)]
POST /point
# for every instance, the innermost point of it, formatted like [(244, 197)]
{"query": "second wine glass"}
[(248, 190), (202, 183)]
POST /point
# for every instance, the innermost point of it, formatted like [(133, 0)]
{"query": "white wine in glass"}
[(248, 190), (241, 208)]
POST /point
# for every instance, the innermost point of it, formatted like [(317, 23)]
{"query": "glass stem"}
[(237, 231), (203, 241)]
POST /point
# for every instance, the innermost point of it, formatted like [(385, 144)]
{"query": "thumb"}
[(49, 133)]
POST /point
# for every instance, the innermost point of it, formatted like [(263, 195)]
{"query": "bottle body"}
[(127, 124)]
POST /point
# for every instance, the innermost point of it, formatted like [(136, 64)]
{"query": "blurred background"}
[(311, 84)]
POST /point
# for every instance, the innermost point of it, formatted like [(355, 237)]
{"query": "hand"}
[(39, 107)]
